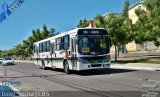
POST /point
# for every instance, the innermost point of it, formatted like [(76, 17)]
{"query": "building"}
[(131, 11), (132, 46)]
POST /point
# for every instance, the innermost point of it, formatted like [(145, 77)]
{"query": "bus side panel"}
[(58, 59)]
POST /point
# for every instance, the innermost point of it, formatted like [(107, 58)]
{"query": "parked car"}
[(1, 59), (8, 61)]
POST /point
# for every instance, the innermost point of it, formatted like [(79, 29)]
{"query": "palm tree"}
[(99, 21)]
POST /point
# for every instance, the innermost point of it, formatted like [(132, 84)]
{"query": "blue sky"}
[(60, 14)]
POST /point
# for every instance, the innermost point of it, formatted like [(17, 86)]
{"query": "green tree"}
[(36, 34), (151, 4), (25, 48), (52, 32), (118, 31), (119, 27), (125, 9), (147, 28), (5, 53), (80, 24), (83, 23), (45, 32), (99, 21), (18, 51)]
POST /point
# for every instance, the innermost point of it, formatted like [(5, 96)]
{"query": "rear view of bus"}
[(93, 49)]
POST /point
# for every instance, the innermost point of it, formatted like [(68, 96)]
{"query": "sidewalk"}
[(136, 66)]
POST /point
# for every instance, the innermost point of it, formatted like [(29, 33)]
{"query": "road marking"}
[(137, 79), (145, 79)]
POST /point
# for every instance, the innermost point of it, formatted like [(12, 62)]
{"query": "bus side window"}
[(59, 44), (48, 44), (66, 42), (40, 48), (33, 51), (43, 46)]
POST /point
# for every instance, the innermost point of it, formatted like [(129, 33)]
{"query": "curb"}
[(136, 68)]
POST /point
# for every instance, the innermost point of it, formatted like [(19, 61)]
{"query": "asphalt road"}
[(95, 83)]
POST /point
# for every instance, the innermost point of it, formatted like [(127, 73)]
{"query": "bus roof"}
[(63, 34)]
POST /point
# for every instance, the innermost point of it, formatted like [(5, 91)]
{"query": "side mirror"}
[(69, 52)]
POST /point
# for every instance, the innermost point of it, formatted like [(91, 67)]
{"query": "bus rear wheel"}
[(66, 67)]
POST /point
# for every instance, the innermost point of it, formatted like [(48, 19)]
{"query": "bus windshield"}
[(93, 45)]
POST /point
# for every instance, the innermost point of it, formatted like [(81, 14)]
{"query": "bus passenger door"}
[(73, 53), (52, 52), (37, 54)]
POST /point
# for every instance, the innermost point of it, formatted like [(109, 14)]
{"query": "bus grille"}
[(96, 65)]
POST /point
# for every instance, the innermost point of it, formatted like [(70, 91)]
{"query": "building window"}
[(66, 42), (59, 44)]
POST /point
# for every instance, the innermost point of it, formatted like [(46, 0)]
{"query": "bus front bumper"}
[(93, 66)]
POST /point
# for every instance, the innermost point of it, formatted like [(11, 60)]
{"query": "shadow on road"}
[(94, 72), (102, 72), (81, 73)]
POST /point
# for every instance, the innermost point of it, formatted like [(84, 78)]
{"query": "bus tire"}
[(66, 67), (43, 65)]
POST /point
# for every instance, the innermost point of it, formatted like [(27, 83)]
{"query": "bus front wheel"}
[(66, 67)]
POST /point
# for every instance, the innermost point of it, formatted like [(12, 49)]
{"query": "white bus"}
[(77, 49)]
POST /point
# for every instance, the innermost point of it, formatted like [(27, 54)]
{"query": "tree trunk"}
[(115, 53), (118, 51)]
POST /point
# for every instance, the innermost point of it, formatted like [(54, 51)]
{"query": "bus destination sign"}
[(92, 32)]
